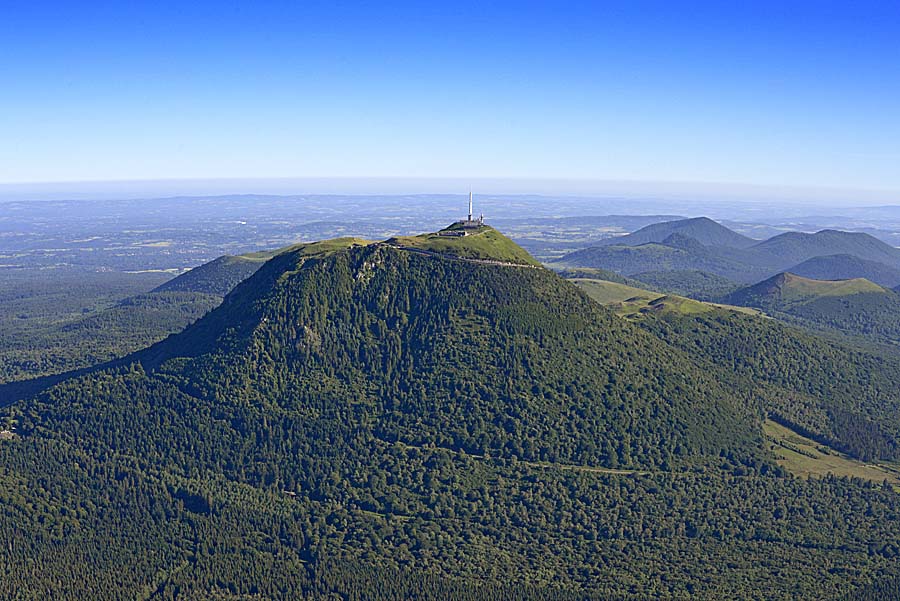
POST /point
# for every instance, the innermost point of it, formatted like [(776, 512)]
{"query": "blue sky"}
[(786, 93)]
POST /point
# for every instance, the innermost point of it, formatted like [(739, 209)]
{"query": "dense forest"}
[(54, 321), (364, 422), (98, 335), (218, 277), (837, 392)]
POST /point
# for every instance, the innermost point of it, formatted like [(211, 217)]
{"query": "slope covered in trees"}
[(676, 254), (54, 346), (843, 395), (373, 422), (217, 277), (845, 267), (692, 283)]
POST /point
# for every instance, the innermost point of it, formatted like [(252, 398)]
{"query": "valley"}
[(806, 458)]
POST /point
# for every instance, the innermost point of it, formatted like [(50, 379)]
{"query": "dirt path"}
[(431, 253), (539, 464)]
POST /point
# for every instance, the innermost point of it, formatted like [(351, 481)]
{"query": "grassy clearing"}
[(807, 458), (632, 302), (607, 293), (308, 249), (799, 289)]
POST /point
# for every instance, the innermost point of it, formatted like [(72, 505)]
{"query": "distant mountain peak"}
[(684, 242), (702, 229)]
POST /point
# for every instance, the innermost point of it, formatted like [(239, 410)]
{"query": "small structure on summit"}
[(471, 221), (466, 226)]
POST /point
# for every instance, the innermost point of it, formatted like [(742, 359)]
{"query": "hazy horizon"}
[(662, 192)]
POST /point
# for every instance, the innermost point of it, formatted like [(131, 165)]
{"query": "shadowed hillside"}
[(792, 248), (845, 267), (217, 277)]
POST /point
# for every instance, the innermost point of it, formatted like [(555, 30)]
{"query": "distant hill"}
[(702, 229), (221, 275), (675, 246), (218, 277), (548, 238), (856, 307), (787, 289), (791, 248), (844, 267)]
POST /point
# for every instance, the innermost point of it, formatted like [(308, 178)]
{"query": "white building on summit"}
[(471, 221)]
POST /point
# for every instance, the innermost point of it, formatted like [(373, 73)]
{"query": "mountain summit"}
[(702, 229), (452, 333)]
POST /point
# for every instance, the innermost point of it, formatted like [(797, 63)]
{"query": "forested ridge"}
[(363, 422), (830, 390), (217, 277)]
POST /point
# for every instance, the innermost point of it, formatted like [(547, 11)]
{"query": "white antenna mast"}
[(470, 205)]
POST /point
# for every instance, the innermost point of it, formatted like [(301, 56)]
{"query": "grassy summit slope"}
[(786, 289), (606, 292), (807, 458), (483, 243)]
